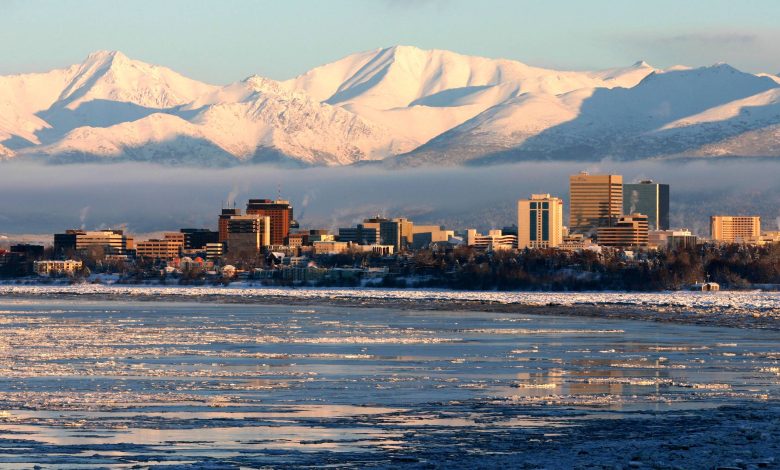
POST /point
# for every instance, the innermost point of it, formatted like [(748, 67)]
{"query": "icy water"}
[(108, 384)]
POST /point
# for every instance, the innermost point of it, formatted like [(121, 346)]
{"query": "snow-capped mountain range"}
[(400, 105)]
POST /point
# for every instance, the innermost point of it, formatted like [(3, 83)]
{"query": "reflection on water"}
[(130, 382)]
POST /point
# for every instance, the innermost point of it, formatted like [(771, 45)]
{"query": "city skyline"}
[(601, 208)]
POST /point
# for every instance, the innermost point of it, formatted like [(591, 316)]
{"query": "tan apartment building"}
[(734, 229), (539, 222)]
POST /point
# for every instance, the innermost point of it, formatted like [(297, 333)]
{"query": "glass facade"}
[(650, 199)]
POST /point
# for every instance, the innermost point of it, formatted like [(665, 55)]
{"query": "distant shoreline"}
[(758, 310)]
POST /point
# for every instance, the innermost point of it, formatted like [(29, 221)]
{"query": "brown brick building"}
[(279, 211)]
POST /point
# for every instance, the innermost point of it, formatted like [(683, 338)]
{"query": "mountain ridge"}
[(400, 105)]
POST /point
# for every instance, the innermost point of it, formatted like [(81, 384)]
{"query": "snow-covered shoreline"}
[(744, 303)]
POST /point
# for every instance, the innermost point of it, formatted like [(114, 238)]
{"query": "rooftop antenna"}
[(279, 192)]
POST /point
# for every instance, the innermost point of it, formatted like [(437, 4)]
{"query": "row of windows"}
[(533, 223)]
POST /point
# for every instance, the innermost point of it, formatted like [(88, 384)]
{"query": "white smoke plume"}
[(83, 214)]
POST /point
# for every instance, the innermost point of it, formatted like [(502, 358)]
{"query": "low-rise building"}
[(630, 231), (425, 235), (30, 252), (494, 240), (363, 234), (320, 235), (576, 242), (159, 249), (214, 250), (672, 239), (376, 249), (766, 238), (297, 239), (330, 247), (57, 267)]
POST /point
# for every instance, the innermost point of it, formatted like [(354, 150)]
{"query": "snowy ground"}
[(110, 383)]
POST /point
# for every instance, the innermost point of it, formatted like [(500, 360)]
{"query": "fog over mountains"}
[(402, 106)]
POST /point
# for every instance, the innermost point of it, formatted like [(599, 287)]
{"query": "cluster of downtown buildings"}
[(603, 213)]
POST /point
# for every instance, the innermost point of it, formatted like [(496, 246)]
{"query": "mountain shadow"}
[(95, 113), (627, 123)]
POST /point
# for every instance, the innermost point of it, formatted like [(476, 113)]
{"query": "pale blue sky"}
[(227, 40)]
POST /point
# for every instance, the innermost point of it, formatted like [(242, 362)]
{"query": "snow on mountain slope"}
[(149, 139), (112, 76), (398, 76), (214, 129), (617, 123), (423, 93), (22, 96), (625, 77), (295, 124), (775, 78), (40, 108), (420, 106), (760, 107), (107, 106)]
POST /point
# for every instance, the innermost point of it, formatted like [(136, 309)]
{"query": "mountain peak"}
[(105, 57), (263, 84), (722, 67), (641, 64)]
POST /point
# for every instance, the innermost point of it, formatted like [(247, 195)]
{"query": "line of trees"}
[(732, 266)]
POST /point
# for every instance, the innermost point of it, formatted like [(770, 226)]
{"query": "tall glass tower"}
[(650, 199)]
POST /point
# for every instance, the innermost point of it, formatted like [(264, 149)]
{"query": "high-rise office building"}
[(539, 222), (652, 199), (594, 201), (247, 234), (629, 231), (397, 232), (198, 238), (279, 211), (224, 217), (363, 234), (734, 229), (113, 242)]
